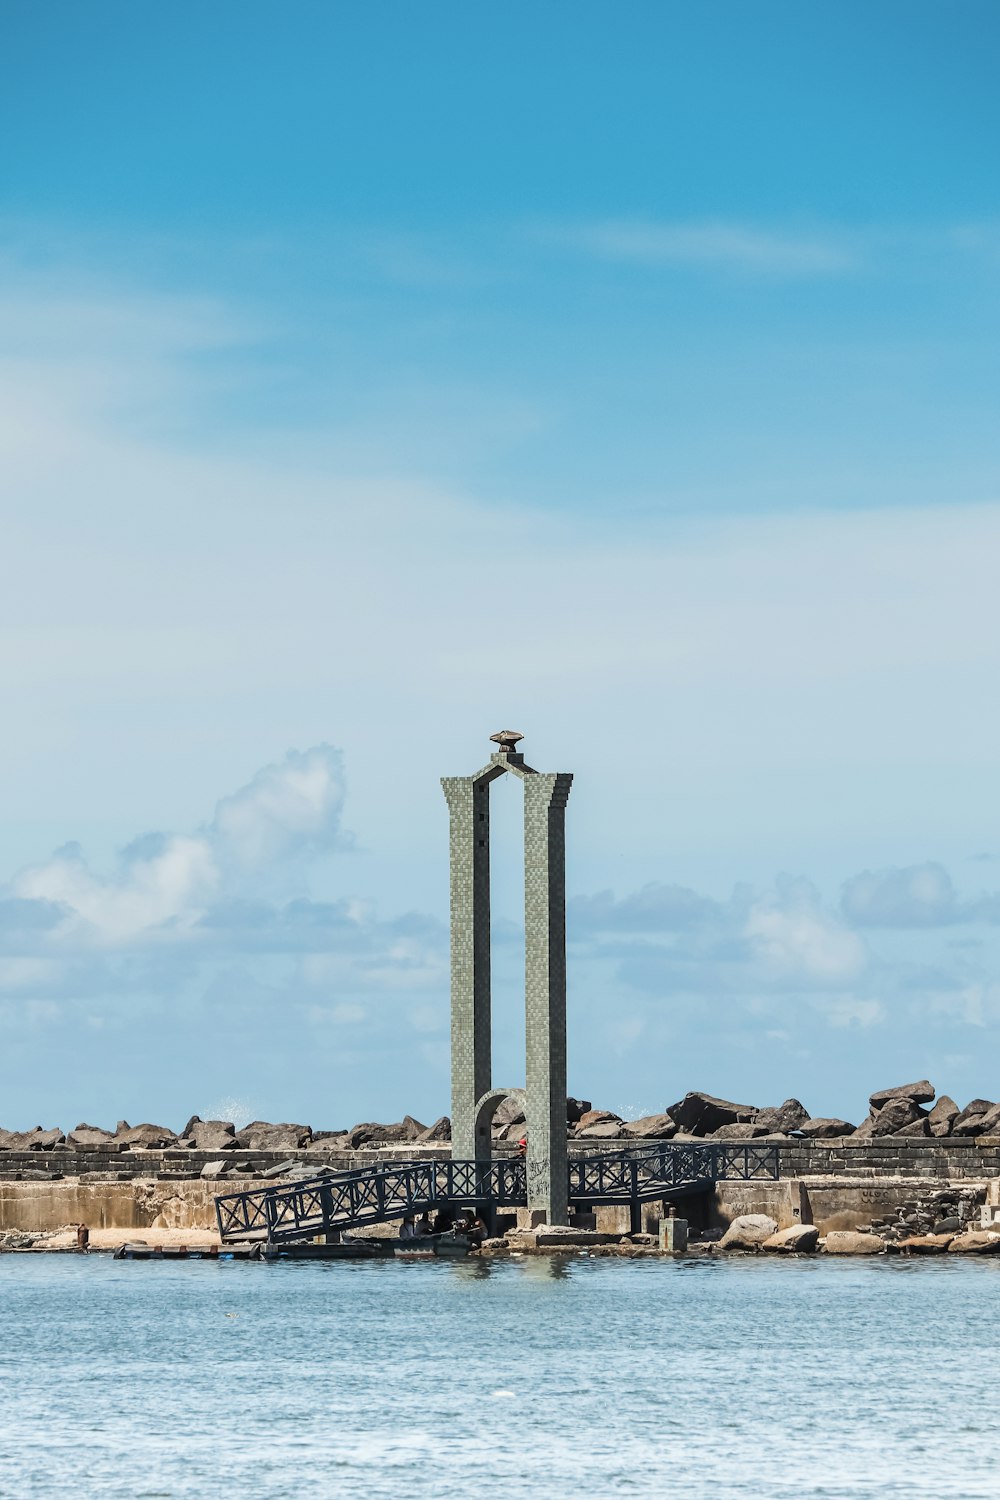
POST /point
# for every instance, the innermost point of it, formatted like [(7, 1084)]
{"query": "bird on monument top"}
[(506, 739)]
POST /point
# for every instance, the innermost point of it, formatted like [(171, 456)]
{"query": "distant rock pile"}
[(898, 1111), (906, 1110), (222, 1135)]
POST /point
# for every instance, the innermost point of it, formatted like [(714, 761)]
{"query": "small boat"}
[(139, 1250), (345, 1250), (447, 1246)]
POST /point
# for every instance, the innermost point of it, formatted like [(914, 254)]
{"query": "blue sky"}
[(375, 378)]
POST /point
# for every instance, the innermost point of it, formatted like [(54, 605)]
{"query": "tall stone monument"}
[(474, 1100)]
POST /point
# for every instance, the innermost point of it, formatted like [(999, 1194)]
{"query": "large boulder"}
[(975, 1242), (969, 1121), (439, 1131), (371, 1133), (919, 1093), (656, 1127), (825, 1129), (798, 1237), (783, 1118), (31, 1140), (601, 1130), (918, 1128), (925, 1244), (739, 1132), (864, 1131), (700, 1114), (260, 1135), (575, 1108), (90, 1138), (975, 1107), (144, 1137), (209, 1135), (853, 1242), (943, 1116), (894, 1115), (748, 1232), (972, 1125), (597, 1117), (990, 1121)]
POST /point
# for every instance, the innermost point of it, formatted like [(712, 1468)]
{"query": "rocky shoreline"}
[(919, 1175), (907, 1111)]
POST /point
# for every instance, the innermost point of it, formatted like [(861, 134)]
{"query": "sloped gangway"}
[(314, 1206)]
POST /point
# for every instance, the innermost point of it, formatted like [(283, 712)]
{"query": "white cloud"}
[(715, 243), (285, 812), (917, 896), (166, 884), (159, 880), (797, 940), (784, 936)]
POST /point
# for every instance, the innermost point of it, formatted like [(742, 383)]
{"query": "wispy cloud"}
[(913, 896), (714, 244)]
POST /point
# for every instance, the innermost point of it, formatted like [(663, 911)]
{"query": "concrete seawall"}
[(835, 1184)]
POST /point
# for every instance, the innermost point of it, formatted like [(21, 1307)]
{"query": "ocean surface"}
[(555, 1377)]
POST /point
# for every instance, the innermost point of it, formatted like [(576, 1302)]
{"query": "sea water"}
[(558, 1377)]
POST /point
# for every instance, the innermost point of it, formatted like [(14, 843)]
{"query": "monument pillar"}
[(471, 1022), (545, 798)]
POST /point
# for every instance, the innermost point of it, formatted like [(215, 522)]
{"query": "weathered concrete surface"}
[(836, 1185), (672, 1236), (831, 1203), (782, 1201), (137, 1204)]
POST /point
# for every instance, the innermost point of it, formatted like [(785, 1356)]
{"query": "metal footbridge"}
[(335, 1201)]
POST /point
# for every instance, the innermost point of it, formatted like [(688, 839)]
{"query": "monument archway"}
[(545, 798), (486, 1108)]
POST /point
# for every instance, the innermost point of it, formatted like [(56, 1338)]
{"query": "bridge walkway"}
[(372, 1195)]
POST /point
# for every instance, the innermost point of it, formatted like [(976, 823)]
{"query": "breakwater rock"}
[(909, 1110)]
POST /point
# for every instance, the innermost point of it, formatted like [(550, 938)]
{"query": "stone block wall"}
[(845, 1184), (949, 1159)]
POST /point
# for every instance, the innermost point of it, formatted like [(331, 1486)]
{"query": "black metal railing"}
[(371, 1195)]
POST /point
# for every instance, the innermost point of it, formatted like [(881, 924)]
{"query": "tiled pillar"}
[(545, 798), (468, 799)]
